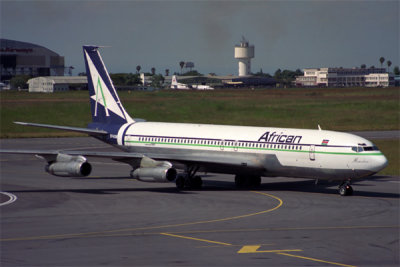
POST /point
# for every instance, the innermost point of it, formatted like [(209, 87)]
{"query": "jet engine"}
[(69, 166), (151, 170), (156, 174)]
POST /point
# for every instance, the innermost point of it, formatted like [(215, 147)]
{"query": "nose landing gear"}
[(345, 188)]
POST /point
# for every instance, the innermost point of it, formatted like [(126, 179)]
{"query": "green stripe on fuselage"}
[(260, 148)]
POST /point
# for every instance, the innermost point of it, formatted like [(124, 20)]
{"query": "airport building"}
[(345, 77), (21, 58), (53, 84)]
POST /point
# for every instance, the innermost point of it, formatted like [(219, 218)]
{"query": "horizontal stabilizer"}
[(65, 128)]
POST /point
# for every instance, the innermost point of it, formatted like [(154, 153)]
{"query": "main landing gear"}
[(188, 179), (345, 188)]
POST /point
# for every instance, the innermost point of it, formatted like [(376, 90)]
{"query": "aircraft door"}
[(312, 152), (235, 146)]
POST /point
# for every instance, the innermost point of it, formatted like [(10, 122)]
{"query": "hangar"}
[(21, 58), (57, 83)]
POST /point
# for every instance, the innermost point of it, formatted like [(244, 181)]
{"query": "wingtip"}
[(20, 122)]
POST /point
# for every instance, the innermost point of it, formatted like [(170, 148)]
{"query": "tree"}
[(182, 64), (363, 66), (20, 82), (167, 72), (138, 68), (389, 63), (381, 60), (153, 71), (125, 79), (132, 79), (278, 74), (157, 80), (299, 72), (286, 77), (396, 70), (262, 74), (118, 78)]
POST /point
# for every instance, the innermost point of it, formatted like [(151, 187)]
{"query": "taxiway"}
[(110, 219)]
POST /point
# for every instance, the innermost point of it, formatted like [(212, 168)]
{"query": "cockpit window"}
[(364, 148), (357, 149), (371, 148)]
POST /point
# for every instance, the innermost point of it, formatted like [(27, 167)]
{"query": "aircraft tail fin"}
[(106, 108), (143, 79), (174, 82)]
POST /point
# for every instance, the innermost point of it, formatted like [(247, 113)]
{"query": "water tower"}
[(244, 52)]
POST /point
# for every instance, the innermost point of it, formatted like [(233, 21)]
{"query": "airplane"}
[(176, 85), (157, 150)]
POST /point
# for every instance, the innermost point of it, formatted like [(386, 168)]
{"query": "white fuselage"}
[(180, 86), (315, 154), (202, 87)]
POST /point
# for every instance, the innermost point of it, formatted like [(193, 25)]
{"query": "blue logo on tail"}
[(107, 110)]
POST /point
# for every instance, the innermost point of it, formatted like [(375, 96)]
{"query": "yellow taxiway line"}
[(313, 259), (99, 233), (197, 239)]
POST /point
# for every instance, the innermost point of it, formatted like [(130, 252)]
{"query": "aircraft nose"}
[(379, 163)]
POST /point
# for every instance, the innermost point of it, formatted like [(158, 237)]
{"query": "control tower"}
[(244, 52)]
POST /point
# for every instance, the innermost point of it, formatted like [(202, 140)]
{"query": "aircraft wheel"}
[(342, 190), (345, 190), (180, 183)]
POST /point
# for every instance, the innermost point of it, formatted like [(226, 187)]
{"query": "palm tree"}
[(138, 68), (389, 63), (153, 71), (381, 60), (181, 64)]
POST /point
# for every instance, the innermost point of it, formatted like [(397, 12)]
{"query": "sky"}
[(286, 34)]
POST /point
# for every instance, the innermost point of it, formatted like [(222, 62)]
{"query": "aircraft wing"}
[(205, 162)]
